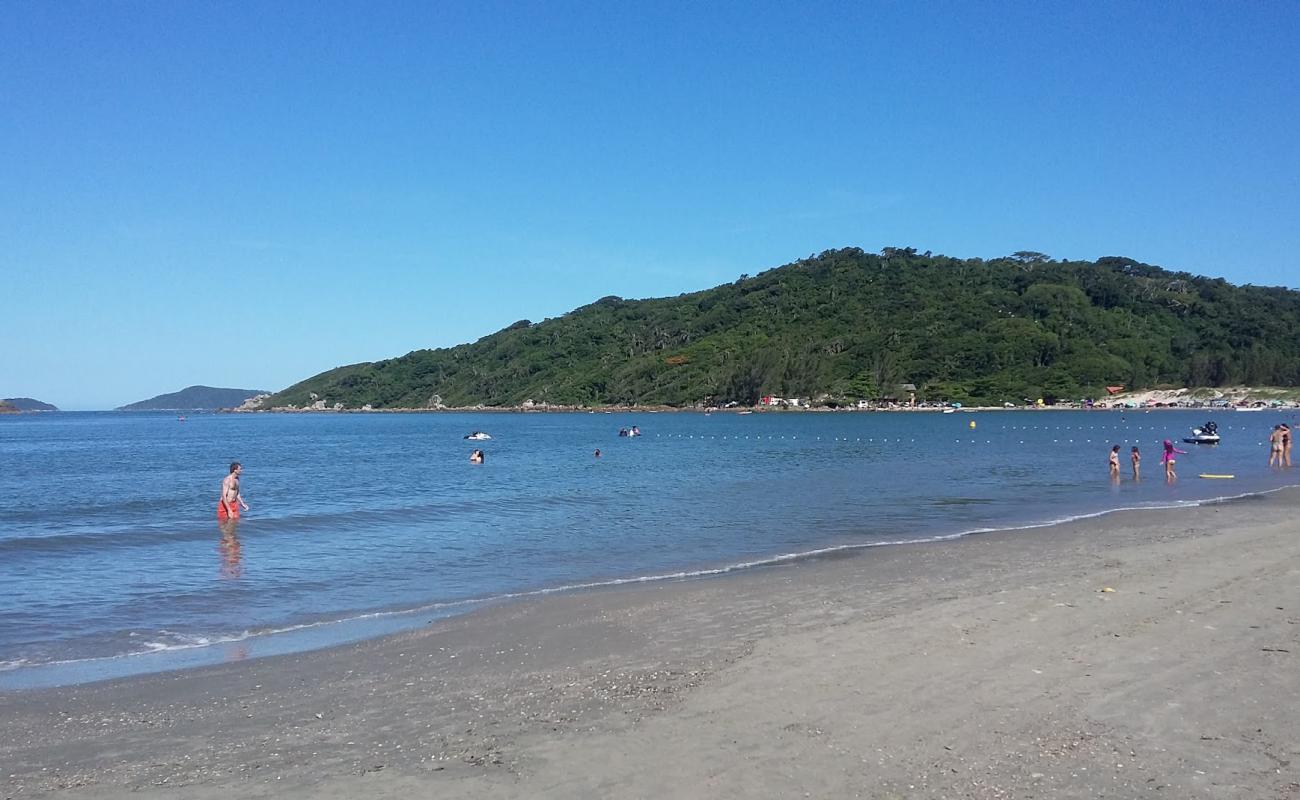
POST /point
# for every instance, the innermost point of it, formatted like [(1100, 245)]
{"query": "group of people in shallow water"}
[(1135, 459), (230, 502), (1279, 454)]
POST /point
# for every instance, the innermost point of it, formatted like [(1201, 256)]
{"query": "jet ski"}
[(1206, 434), (477, 436)]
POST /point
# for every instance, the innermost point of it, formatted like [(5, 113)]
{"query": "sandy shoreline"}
[(990, 666)]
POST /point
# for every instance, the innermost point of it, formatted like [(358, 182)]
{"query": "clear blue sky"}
[(245, 194)]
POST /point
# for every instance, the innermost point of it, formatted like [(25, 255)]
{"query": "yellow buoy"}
[(972, 423)]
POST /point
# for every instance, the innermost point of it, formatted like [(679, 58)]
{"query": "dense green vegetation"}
[(847, 324), (194, 398)]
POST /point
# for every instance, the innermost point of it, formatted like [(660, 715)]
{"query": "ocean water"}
[(112, 561)]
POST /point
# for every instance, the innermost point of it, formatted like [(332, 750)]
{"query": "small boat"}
[(1206, 434), (477, 436)]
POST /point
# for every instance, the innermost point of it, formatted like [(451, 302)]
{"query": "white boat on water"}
[(1206, 434), (477, 436)]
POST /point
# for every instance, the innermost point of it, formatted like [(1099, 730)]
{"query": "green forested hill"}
[(850, 324)]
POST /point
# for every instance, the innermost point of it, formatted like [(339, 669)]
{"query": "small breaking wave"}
[(165, 641)]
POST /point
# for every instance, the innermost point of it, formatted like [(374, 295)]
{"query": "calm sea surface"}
[(112, 561)]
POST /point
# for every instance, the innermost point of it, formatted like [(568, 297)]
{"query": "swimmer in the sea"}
[(476, 457)]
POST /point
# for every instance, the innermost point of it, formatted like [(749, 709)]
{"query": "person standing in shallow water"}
[(1114, 462), (1275, 446), (1136, 458), (1168, 459), (231, 501)]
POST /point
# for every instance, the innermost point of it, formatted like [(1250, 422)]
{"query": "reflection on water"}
[(232, 567)]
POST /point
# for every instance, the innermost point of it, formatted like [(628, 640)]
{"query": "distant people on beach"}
[(1114, 462), (1168, 459), (1136, 458), (231, 501), (476, 457)]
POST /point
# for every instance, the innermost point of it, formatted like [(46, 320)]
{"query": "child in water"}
[(1168, 458), (1136, 458), (1114, 461)]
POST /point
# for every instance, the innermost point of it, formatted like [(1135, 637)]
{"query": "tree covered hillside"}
[(853, 325)]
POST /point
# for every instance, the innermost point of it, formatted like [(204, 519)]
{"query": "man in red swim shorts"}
[(231, 501)]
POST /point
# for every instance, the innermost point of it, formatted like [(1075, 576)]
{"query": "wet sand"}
[(989, 667)]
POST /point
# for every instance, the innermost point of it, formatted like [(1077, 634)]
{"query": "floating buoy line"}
[(1099, 436)]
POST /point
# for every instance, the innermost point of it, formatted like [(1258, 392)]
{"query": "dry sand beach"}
[(989, 667)]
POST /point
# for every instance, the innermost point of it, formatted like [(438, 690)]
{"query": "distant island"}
[(195, 398), (847, 325), (27, 404)]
